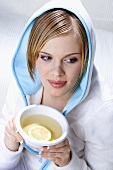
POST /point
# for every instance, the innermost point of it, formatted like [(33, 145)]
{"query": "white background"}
[(15, 13)]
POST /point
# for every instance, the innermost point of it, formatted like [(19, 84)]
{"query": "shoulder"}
[(14, 100), (99, 125), (93, 122), (94, 115), (99, 87)]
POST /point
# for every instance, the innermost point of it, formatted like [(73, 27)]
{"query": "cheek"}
[(74, 76), (41, 69), (75, 72)]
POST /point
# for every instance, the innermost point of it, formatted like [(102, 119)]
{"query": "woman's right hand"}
[(11, 136)]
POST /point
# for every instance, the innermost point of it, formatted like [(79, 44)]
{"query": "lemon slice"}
[(39, 132)]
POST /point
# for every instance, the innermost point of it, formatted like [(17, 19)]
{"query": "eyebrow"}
[(64, 56), (44, 52)]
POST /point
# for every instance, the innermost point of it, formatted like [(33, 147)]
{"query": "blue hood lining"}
[(23, 79), (29, 87)]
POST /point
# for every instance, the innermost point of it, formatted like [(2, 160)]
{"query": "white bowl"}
[(43, 110)]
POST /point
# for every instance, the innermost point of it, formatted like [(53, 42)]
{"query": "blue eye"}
[(46, 58), (71, 60)]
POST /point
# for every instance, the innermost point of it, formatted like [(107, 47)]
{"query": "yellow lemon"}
[(39, 132)]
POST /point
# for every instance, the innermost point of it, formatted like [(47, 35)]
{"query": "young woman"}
[(53, 66)]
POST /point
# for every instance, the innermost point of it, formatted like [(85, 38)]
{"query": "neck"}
[(54, 101)]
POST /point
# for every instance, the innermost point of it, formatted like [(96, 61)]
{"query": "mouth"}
[(57, 84)]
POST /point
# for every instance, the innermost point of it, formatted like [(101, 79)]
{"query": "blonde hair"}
[(49, 25)]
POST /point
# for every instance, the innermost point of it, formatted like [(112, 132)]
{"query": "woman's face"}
[(59, 64)]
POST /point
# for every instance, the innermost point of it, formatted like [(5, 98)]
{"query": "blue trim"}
[(17, 81), (45, 165), (64, 113), (84, 83), (30, 150), (70, 104)]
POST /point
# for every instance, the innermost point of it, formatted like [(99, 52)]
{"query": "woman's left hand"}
[(60, 154)]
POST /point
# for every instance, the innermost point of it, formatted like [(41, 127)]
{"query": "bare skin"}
[(59, 154), (59, 65), (12, 139)]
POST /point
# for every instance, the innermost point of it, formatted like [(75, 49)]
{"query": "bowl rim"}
[(35, 142)]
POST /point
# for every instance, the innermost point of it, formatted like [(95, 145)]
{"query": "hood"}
[(19, 62)]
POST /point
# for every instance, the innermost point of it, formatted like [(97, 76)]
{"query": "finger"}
[(11, 132), (10, 137), (58, 158), (54, 155), (16, 131), (65, 148), (14, 124), (60, 145), (60, 162), (10, 127), (13, 136), (60, 150), (19, 137)]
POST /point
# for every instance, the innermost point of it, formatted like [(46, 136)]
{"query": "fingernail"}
[(40, 152), (41, 149), (16, 131), (21, 142), (48, 148)]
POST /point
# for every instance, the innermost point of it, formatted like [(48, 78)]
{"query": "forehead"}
[(70, 43)]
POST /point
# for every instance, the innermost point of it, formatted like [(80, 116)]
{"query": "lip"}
[(57, 84)]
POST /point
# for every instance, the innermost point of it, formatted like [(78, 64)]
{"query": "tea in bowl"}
[(40, 125)]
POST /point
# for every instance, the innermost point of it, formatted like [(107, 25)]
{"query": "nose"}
[(57, 70)]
